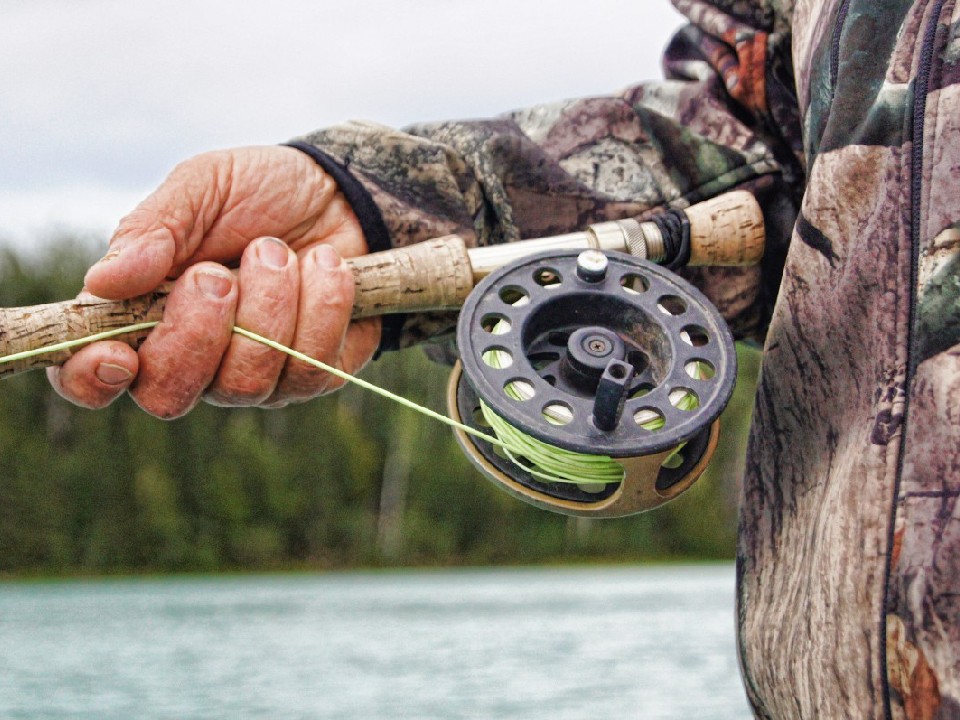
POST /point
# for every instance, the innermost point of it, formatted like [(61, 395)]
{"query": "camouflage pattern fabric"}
[(843, 117)]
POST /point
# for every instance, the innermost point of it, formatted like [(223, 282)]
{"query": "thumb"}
[(136, 263), (164, 229)]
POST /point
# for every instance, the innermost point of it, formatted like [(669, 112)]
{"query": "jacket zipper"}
[(835, 44), (920, 92)]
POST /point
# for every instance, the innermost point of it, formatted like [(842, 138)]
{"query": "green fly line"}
[(550, 463), (557, 464)]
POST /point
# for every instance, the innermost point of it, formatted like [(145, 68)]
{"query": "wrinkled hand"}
[(278, 215)]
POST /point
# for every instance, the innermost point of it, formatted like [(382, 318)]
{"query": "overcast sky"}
[(100, 98)]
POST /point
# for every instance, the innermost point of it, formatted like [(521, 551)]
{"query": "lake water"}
[(533, 643)]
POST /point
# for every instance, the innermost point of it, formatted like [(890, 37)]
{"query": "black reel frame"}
[(602, 354)]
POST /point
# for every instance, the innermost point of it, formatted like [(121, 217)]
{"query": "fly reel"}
[(602, 357)]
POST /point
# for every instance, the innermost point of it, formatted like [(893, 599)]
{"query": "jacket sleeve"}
[(722, 119)]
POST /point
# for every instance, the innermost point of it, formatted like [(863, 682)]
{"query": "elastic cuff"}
[(371, 222), (366, 210)]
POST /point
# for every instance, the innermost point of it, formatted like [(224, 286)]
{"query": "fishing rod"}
[(582, 349)]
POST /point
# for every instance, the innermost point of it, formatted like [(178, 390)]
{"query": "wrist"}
[(375, 232), (364, 208)]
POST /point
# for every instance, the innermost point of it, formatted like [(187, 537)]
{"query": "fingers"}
[(96, 375), (194, 352), (326, 302), (180, 357), (269, 288), (304, 304)]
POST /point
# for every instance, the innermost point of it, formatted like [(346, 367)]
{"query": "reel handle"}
[(434, 275)]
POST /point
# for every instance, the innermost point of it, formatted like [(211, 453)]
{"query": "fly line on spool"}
[(554, 464)]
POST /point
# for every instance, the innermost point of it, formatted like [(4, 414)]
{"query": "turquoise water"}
[(530, 644)]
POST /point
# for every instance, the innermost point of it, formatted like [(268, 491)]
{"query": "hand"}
[(275, 212)]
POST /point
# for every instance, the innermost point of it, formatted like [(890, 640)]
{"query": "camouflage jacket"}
[(843, 117)]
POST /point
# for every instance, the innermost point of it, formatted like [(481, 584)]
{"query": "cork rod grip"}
[(726, 230), (433, 275), (29, 328)]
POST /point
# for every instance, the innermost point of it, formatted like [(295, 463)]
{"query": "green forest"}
[(349, 480)]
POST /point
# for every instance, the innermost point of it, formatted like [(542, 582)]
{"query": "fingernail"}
[(105, 259), (273, 252), (326, 257), (112, 374), (214, 284), (109, 256)]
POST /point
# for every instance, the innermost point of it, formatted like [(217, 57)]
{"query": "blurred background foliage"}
[(343, 481)]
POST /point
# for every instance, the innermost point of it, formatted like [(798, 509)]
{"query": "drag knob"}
[(589, 351)]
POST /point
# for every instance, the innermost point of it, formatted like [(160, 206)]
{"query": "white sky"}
[(100, 98)]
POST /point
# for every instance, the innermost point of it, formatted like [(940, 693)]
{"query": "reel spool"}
[(601, 354)]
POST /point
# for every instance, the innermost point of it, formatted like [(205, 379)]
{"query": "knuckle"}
[(162, 406), (339, 296), (334, 384), (239, 390), (248, 373), (303, 382), (232, 396)]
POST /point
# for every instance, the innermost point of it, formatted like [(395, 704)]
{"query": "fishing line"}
[(559, 441), (550, 463), (70, 344)]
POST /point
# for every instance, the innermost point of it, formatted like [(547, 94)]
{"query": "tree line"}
[(343, 481)]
